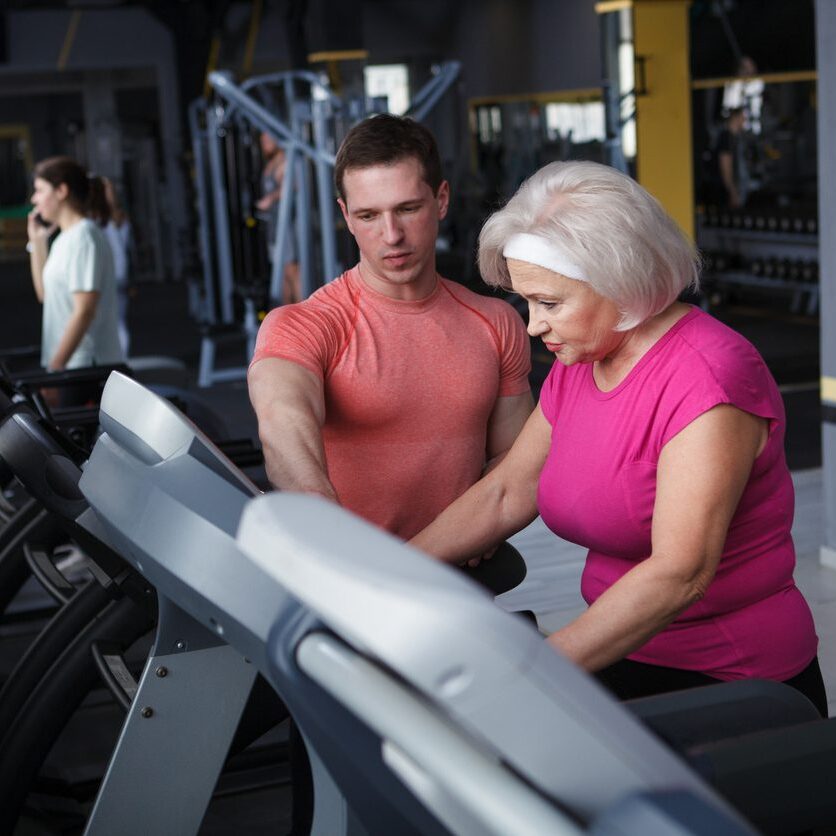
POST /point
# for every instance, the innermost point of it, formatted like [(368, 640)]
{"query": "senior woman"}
[(657, 444)]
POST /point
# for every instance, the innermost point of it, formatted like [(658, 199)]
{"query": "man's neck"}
[(412, 291)]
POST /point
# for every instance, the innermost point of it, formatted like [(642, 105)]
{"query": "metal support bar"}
[(199, 138), (192, 683), (223, 243)]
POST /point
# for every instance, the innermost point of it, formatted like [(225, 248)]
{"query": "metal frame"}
[(309, 135)]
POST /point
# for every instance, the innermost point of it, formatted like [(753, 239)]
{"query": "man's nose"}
[(392, 230)]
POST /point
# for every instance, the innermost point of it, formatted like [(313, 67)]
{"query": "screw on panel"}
[(147, 712), (161, 671), (180, 645)]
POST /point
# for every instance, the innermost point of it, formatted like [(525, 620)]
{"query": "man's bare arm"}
[(289, 402), (507, 420)]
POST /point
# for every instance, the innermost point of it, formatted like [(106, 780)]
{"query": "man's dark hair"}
[(385, 139)]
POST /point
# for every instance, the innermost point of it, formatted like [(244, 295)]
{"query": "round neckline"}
[(643, 360), (404, 306)]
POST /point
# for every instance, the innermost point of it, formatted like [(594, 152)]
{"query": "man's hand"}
[(475, 561)]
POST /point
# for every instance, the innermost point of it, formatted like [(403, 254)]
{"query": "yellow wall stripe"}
[(607, 6), (252, 38), (828, 389), (664, 155), (69, 38), (338, 55), (581, 94), (768, 78), (211, 63)]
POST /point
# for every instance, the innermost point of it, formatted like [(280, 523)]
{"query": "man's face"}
[(394, 215)]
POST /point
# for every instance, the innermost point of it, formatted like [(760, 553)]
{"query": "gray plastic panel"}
[(469, 789), (490, 673), (170, 502)]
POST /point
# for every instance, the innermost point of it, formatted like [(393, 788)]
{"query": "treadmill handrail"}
[(464, 785)]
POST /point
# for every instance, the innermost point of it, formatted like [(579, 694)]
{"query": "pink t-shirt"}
[(409, 390), (598, 488)]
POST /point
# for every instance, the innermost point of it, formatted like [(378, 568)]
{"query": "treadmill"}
[(426, 709)]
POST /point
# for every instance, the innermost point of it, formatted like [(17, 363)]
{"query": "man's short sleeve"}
[(303, 333), (515, 353)]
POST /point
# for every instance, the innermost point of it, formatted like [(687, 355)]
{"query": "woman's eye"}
[(548, 305)]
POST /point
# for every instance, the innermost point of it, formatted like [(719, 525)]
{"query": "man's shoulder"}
[(489, 306), (330, 307)]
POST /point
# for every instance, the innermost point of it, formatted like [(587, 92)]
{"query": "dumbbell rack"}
[(767, 251)]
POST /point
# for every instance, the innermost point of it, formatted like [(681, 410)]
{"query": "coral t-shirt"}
[(409, 389), (598, 489)]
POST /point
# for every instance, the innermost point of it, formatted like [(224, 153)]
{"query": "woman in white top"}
[(117, 230), (74, 278)]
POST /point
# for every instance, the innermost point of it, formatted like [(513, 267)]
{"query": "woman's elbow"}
[(693, 587)]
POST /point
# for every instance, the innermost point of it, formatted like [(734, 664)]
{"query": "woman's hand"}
[(497, 506), (35, 230)]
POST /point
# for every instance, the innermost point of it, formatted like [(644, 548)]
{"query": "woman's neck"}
[(611, 371), (68, 217)]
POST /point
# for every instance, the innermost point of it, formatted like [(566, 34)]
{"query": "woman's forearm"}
[(37, 258), (479, 519), (75, 330), (498, 505), (628, 614)]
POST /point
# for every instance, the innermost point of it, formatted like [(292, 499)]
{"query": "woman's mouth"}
[(555, 347)]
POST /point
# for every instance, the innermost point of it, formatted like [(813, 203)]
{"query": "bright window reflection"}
[(391, 81)]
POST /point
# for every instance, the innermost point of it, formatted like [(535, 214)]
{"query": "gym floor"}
[(160, 326)]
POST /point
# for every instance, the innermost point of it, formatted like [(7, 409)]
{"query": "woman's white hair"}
[(629, 249)]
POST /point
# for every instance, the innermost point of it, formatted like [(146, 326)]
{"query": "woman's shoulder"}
[(706, 338), (709, 353), (87, 232)]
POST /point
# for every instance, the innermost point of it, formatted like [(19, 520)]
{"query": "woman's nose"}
[(536, 325)]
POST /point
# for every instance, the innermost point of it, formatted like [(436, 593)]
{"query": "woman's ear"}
[(62, 191)]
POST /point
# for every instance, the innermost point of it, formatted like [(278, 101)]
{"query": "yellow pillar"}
[(664, 149)]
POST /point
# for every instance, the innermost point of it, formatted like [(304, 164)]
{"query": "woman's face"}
[(47, 199), (574, 322)]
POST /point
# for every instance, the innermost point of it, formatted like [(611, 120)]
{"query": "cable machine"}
[(307, 120)]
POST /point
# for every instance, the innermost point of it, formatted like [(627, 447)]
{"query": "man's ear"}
[(443, 198)]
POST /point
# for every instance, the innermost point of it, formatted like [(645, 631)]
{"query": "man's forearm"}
[(294, 455), (289, 403)]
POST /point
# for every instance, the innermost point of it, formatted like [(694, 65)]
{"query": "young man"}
[(391, 388), (731, 159)]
